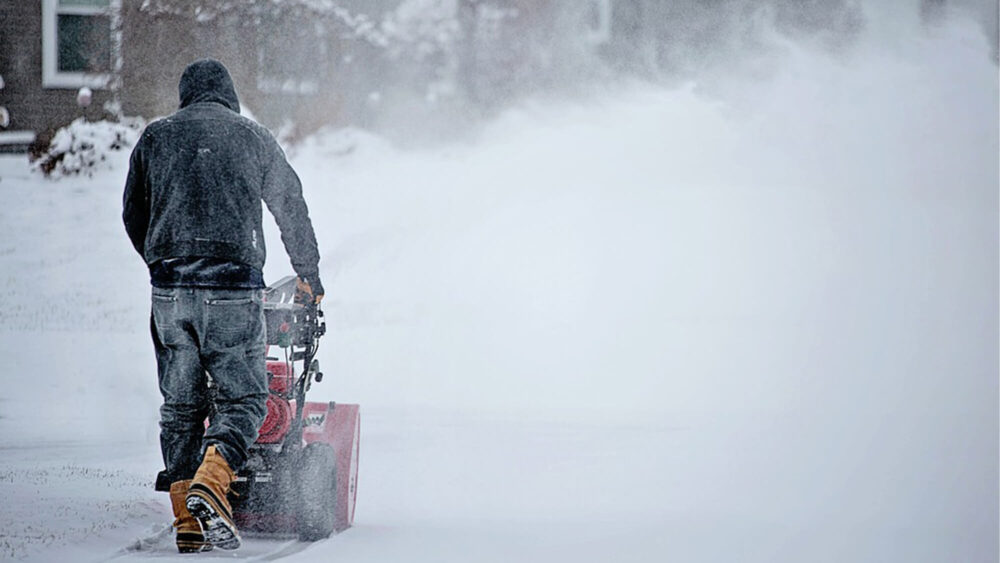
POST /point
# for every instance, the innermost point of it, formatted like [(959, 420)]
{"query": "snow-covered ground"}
[(650, 326)]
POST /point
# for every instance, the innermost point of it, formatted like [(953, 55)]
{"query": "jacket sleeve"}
[(135, 204), (282, 193)]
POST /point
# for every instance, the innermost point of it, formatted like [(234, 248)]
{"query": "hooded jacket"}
[(196, 181)]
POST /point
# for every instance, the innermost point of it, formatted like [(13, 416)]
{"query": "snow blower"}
[(301, 475)]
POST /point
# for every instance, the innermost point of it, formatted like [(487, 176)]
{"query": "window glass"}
[(84, 43)]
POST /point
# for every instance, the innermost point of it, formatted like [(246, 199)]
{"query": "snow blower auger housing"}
[(301, 475)]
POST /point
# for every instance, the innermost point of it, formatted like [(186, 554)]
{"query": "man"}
[(192, 208)]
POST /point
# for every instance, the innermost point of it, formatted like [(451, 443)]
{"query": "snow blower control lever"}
[(296, 327)]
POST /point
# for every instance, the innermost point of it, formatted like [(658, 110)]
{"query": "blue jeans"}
[(210, 352)]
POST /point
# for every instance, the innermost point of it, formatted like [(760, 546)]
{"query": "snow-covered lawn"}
[(646, 327)]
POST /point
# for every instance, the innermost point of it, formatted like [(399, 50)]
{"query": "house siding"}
[(32, 107)]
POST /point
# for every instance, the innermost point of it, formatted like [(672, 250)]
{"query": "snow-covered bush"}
[(83, 146)]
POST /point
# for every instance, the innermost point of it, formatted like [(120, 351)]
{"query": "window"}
[(78, 42), (598, 21)]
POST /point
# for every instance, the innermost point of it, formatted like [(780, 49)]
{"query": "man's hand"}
[(308, 290)]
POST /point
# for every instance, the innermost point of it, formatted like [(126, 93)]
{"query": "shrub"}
[(82, 147)]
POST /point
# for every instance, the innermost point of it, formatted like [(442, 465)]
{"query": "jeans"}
[(210, 352)]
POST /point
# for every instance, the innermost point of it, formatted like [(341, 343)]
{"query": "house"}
[(130, 54), (295, 62), (49, 49)]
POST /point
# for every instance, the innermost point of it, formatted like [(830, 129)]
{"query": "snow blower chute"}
[(301, 475)]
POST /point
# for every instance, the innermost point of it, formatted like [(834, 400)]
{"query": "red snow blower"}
[(301, 475)]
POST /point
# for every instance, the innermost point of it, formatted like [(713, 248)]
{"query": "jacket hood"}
[(208, 80)]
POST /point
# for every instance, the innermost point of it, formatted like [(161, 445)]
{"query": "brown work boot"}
[(206, 500), (189, 536)]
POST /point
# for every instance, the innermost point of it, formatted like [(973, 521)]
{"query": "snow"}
[(757, 323), (83, 146)]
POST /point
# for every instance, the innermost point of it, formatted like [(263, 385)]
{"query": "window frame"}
[(52, 77)]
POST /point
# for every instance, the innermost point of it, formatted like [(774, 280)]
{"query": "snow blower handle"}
[(315, 326), (312, 327)]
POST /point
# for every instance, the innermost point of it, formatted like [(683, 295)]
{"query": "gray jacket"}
[(197, 178)]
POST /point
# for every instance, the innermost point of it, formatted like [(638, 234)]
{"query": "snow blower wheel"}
[(317, 488)]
